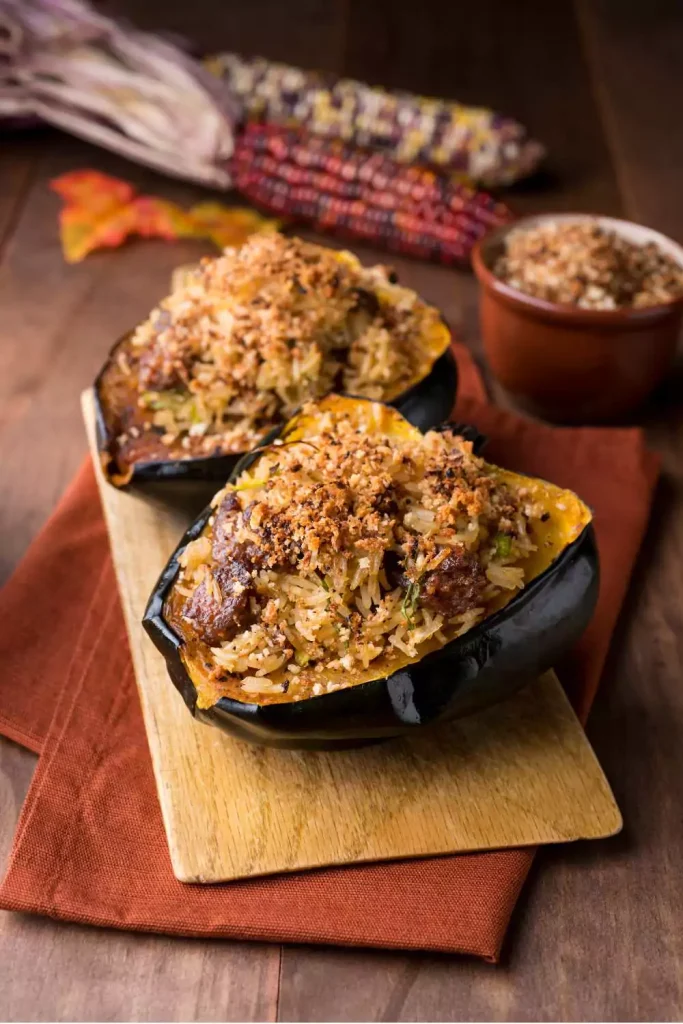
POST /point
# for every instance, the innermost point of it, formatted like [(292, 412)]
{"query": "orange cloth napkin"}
[(90, 845)]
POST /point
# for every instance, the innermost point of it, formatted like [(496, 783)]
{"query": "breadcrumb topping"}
[(580, 263), (357, 543), (254, 333)]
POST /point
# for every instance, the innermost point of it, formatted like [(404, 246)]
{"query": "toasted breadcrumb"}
[(580, 263)]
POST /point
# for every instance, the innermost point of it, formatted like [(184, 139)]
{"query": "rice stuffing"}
[(250, 335), (342, 550)]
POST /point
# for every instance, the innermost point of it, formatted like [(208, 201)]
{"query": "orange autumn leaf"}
[(102, 212), (159, 218), (227, 226), (82, 231), (92, 190), (97, 212)]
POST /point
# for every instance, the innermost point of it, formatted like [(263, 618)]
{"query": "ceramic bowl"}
[(572, 365)]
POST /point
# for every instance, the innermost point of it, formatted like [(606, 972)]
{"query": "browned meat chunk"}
[(224, 547), (215, 621), (394, 570), (223, 527), (158, 373), (455, 586), (363, 313), (367, 301), (165, 364), (385, 501)]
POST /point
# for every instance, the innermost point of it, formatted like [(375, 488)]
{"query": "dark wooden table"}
[(599, 930)]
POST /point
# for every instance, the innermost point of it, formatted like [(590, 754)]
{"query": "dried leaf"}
[(226, 225), (84, 230), (159, 218), (102, 212), (92, 190)]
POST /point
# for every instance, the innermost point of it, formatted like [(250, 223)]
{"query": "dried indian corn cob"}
[(363, 195), (474, 144)]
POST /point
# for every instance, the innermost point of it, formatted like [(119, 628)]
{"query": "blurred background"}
[(597, 82), (594, 80)]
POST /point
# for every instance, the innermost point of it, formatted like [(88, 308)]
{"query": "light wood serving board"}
[(519, 774)]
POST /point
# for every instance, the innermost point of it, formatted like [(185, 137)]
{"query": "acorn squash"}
[(456, 670), (240, 344)]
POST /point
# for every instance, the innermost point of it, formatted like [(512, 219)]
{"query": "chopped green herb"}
[(301, 658), (158, 400), (195, 417), (503, 543), (345, 642), (410, 600)]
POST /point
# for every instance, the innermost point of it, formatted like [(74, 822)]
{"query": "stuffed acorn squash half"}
[(357, 579), (246, 339)]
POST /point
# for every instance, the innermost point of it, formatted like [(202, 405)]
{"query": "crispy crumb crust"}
[(579, 262), (251, 335), (356, 544)]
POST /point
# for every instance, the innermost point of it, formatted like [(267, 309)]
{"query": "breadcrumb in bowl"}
[(580, 315)]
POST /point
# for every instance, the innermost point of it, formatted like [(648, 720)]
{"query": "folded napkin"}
[(90, 845)]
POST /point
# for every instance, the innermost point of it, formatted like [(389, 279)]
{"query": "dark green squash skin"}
[(480, 668), (426, 404)]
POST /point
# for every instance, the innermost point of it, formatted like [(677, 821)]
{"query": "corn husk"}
[(122, 89)]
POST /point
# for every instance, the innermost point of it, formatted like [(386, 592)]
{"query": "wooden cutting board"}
[(519, 774)]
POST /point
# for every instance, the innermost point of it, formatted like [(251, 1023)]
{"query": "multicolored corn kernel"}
[(343, 189), (473, 144)]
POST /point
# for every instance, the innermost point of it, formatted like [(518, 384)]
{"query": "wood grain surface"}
[(598, 933), (521, 774)]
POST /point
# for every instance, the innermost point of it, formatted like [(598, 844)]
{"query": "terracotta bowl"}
[(574, 365)]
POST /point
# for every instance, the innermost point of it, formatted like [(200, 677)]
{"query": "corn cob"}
[(473, 144), (340, 188)]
